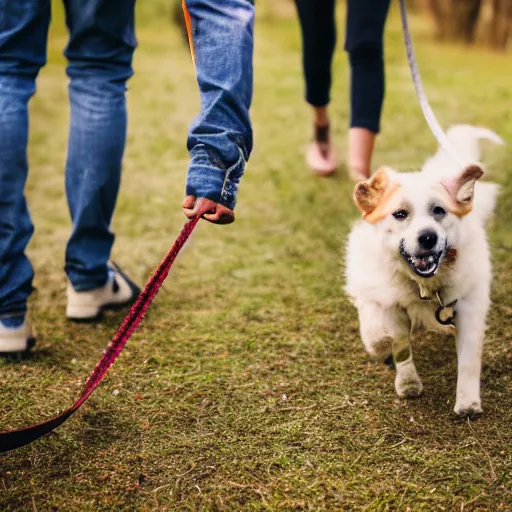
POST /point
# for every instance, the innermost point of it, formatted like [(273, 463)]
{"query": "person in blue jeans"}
[(99, 53)]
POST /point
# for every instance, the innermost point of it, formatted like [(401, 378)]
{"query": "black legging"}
[(364, 44)]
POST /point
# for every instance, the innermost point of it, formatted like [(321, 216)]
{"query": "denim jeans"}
[(99, 54), (220, 138)]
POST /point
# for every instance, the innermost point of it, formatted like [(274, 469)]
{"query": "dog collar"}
[(445, 313)]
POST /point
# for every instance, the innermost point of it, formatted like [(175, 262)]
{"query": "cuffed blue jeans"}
[(99, 53)]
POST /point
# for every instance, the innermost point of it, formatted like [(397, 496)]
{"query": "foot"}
[(359, 174), (407, 381), (320, 156), (468, 408), (119, 291), (16, 336)]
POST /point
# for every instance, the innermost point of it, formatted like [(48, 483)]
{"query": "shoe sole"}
[(99, 316), (114, 306), (20, 355)]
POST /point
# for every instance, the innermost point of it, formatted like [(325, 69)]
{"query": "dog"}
[(419, 259)]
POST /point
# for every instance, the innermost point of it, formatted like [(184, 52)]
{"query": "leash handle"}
[(12, 439), (430, 117)]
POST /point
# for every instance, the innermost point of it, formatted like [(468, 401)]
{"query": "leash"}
[(430, 117), (10, 440), (445, 313)]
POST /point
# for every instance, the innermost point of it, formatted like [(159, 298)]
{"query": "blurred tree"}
[(455, 19), (460, 20), (501, 24)]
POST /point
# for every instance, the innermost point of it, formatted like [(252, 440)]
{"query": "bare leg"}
[(360, 149), (321, 157), (322, 135), (321, 116)]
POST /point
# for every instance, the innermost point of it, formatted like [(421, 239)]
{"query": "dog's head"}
[(419, 219)]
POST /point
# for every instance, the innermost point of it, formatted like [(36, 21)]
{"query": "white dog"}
[(420, 259)]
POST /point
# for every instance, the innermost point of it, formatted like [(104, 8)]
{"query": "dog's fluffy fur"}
[(424, 231)]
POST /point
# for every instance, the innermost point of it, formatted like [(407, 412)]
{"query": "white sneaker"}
[(119, 291), (16, 340)]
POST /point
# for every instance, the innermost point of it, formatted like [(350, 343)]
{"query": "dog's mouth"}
[(423, 264)]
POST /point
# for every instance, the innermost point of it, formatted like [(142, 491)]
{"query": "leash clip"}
[(446, 315)]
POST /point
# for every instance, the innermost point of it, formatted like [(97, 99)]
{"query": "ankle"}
[(360, 148), (321, 116), (359, 173), (321, 134)]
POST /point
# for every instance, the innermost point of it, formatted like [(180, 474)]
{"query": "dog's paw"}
[(468, 409), (407, 381), (409, 388)]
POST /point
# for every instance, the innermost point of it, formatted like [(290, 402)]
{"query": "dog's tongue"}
[(424, 263)]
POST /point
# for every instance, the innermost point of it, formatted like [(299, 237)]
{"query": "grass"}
[(247, 387)]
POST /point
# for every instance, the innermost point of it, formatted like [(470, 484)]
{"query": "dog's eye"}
[(401, 214), (439, 211)]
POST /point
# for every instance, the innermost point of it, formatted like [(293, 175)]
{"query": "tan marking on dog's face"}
[(377, 196), (459, 190)]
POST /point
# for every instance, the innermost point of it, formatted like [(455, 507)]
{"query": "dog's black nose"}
[(427, 239)]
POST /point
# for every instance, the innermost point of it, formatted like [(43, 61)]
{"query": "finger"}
[(222, 215), (188, 202), (188, 206), (204, 205), (219, 219), (189, 213), (193, 207), (208, 209)]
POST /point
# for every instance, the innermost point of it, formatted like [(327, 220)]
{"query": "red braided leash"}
[(13, 439)]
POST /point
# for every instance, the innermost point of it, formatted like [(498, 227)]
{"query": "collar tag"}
[(445, 315)]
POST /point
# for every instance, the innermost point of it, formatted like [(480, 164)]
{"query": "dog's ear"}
[(369, 195), (461, 189)]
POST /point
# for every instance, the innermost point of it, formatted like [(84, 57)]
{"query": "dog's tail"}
[(465, 141)]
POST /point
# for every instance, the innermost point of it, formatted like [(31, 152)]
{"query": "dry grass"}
[(247, 387)]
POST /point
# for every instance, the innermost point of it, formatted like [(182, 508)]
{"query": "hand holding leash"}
[(208, 210)]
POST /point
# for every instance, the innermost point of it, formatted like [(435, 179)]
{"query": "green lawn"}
[(247, 388)]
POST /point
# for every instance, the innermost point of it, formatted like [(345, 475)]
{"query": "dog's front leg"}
[(470, 323), (407, 381), (378, 329), (386, 331)]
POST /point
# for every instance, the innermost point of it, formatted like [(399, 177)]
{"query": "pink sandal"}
[(320, 156)]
